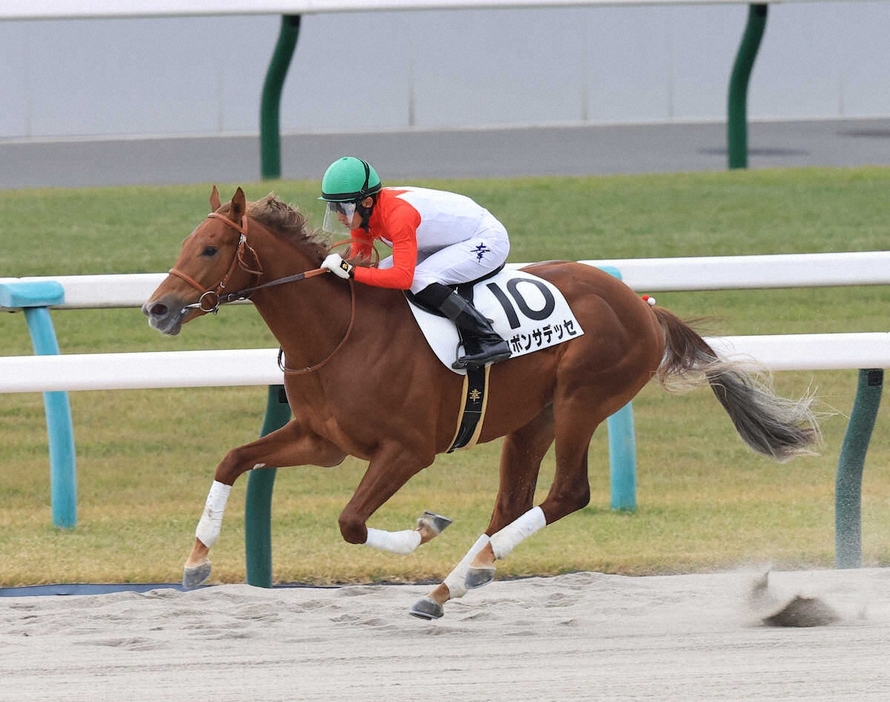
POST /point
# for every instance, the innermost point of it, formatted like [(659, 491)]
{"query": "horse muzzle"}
[(166, 314)]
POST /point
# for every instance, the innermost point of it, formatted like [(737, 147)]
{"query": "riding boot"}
[(482, 345)]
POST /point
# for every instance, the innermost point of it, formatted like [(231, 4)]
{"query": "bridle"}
[(216, 297)]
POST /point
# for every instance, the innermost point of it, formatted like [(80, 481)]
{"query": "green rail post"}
[(270, 107), (737, 122), (848, 489), (258, 510)]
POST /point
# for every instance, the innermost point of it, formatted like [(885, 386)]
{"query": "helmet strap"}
[(365, 212)]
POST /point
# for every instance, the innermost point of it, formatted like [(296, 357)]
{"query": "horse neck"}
[(308, 317)]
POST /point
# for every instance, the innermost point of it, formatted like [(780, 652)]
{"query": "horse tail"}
[(770, 425)]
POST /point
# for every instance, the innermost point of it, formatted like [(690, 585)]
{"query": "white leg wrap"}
[(402, 542), (211, 520), (511, 535), (456, 580)]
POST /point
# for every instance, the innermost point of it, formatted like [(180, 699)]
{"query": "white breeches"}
[(462, 262)]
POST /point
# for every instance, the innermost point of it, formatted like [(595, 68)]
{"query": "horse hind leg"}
[(569, 492), (432, 606), (469, 574), (521, 457)]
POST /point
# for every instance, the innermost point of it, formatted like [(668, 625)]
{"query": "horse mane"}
[(287, 223)]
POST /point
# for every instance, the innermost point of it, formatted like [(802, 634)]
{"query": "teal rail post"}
[(848, 489), (623, 459), (258, 512), (270, 106), (35, 297), (622, 449), (737, 121)]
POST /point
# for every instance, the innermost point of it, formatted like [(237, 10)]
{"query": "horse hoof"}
[(436, 522), (477, 577), (427, 608), (196, 575)]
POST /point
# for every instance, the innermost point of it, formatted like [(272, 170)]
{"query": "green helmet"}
[(349, 179)]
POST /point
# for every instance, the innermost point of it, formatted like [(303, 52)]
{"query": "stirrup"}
[(482, 359)]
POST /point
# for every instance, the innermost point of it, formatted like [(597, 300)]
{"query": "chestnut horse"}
[(362, 381)]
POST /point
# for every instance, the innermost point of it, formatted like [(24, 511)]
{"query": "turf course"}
[(146, 458)]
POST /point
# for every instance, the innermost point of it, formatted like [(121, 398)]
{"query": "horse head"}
[(215, 262)]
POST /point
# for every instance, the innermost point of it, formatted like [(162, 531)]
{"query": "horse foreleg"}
[(196, 570), (288, 446), (389, 469), (429, 526)]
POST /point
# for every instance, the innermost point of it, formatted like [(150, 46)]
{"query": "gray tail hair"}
[(770, 425)]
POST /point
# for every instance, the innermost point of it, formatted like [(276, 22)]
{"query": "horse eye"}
[(209, 251)]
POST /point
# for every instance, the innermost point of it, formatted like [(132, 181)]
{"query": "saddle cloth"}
[(527, 311)]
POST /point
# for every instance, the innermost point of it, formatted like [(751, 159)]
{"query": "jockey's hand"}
[(336, 264)]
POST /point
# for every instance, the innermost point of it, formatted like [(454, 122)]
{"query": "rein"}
[(245, 293), (321, 364)]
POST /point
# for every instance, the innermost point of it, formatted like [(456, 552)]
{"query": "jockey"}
[(438, 239)]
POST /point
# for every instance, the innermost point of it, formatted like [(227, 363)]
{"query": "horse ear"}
[(214, 200), (239, 205)]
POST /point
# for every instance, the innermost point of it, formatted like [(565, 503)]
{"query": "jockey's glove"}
[(336, 264)]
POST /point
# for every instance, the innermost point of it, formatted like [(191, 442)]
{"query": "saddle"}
[(528, 312)]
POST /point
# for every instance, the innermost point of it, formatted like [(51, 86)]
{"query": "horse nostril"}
[(158, 310)]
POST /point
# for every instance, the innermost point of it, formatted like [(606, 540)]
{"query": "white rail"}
[(184, 369), (96, 9), (753, 272), (645, 275), (128, 371)]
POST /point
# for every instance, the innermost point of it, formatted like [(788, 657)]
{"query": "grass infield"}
[(146, 458)]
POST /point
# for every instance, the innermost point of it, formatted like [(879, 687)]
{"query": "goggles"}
[(338, 218)]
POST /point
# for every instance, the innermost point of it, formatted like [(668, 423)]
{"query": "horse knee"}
[(231, 466), (352, 529)]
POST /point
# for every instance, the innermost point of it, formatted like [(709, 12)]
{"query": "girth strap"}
[(472, 414)]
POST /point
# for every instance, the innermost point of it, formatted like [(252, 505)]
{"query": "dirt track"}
[(582, 636)]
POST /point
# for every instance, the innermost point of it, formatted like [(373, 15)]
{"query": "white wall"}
[(435, 69)]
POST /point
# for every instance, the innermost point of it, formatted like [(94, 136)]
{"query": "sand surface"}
[(584, 636)]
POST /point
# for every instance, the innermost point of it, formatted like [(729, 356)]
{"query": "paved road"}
[(409, 154)]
